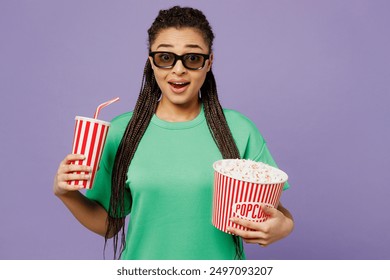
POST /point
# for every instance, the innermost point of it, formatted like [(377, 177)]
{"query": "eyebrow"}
[(192, 46)]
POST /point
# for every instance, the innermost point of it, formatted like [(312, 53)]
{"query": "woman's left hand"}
[(279, 224)]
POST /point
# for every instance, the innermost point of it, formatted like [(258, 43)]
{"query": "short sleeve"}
[(249, 140), (266, 157)]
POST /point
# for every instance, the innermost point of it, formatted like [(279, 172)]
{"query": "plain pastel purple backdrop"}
[(313, 76)]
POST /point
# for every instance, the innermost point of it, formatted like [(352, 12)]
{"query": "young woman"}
[(157, 162)]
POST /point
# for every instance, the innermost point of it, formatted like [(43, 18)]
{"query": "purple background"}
[(312, 75)]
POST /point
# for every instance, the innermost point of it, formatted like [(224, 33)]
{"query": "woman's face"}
[(180, 86)]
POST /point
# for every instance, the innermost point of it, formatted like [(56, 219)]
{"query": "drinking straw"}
[(104, 105)]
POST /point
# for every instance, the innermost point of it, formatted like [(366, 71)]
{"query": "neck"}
[(177, 113)]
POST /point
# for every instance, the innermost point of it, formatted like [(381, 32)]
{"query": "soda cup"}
[(89, 139)]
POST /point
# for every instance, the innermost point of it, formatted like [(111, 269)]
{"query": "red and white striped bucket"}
[(89, 139), (242, 199)]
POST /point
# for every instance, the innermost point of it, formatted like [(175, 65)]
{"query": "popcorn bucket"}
[(89, 139), (240, 193)]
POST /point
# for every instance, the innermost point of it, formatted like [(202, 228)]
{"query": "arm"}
[(88, 212)]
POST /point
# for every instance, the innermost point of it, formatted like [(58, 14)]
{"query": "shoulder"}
[(237, 120), (242, 128), (118, 126), (248, 138), (122, 119)]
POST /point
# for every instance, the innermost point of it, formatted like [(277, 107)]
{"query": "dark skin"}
[(89, 213), (279, 224)]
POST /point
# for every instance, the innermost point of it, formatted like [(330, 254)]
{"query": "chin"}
[(181, 99)]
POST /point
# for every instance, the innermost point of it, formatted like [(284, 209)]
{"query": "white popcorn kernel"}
[(252, 171)]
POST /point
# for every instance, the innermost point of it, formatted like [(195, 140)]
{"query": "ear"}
[(151, 62), (211, 58)]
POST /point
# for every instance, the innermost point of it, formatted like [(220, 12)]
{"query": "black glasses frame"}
[(179, 57)]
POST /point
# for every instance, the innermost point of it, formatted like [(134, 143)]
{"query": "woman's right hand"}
[(65, 174), (88, 212)]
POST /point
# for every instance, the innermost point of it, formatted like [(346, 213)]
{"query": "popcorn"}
[(240, 187), (250, 171)]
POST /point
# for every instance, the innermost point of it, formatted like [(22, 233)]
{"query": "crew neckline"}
[(180, 125)]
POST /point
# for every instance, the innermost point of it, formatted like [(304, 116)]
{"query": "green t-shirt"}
[(171, 182)]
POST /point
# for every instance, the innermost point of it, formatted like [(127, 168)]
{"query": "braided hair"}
[(145, 108)]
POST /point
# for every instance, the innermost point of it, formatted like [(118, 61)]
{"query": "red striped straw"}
[(104, 105)]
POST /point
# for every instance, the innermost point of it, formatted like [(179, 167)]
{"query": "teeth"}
[(179, 84)]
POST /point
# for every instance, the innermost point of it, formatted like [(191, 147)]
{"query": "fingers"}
[(256, 233), (254, 228), (250, 236), (70, 168), (263, 233), (269, 210), (73, 177), (64, 187), (68, 171), (68, 164), (71, 158)]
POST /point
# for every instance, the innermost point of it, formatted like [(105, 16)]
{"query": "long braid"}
[(220, 131), (143, 113), (216, 119)]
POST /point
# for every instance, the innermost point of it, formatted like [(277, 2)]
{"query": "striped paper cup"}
[(242, 198), (89, 138)]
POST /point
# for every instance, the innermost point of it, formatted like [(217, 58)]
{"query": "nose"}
[(179, 68)]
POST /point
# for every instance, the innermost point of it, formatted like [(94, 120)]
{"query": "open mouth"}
[(178, 85)]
